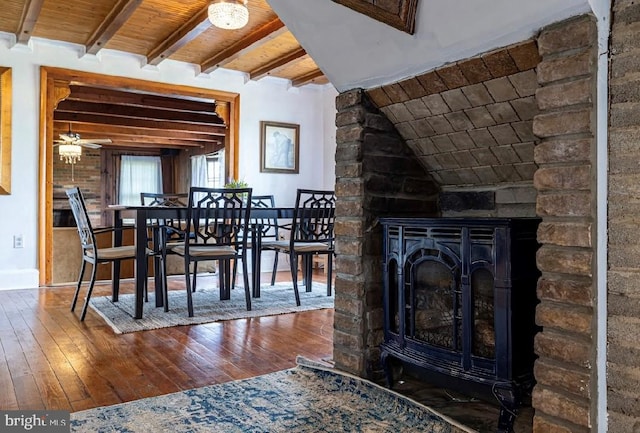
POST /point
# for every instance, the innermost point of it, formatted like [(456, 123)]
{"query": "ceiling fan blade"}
[(90, 145), (94, 141), (68, 137)]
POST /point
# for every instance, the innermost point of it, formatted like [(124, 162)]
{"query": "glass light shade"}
[(229, 14), (70, 153)]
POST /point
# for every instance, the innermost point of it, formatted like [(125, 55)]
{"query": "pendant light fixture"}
[(229, 14)]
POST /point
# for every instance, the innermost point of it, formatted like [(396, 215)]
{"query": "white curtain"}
[(139, 174), (199, 171)]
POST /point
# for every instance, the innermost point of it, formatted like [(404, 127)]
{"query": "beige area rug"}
[(277, 299)]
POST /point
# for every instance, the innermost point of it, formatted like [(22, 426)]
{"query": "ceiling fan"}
[(70, 147), (73, 138)]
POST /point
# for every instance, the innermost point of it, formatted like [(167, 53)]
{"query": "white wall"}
[(355, 51), (329, 147), (268, 99)]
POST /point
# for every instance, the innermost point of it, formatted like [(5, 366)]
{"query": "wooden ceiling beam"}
[(277, 64), (109, 96), (400, 14), (95, 131), (185, 34), (28, 20), (137, 135), (151, 114), (264, 34), (146, 145), (124, 138), (116, 18), (139, 123), (159, 143), (306, 78)]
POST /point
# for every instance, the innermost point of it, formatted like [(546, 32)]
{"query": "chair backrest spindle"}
[(218, 215), (314, 216), (81, 215)]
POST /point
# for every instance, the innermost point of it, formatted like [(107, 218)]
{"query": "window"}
[(139, 174), (208, 170), (215, 170)]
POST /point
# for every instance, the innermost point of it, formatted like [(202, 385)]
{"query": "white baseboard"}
[(19, 279)]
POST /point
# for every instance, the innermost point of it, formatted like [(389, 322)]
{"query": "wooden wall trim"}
[(50, 80), (5, 130)]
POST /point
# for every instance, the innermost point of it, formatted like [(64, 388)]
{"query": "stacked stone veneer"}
[(376, 175), (623, 373), (508, 133), (469, 123), (566, 202)]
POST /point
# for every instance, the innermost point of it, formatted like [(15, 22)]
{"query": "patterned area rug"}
[(306, 399), (207, 307)]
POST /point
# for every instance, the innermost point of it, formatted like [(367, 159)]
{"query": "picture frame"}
[(279, 147)]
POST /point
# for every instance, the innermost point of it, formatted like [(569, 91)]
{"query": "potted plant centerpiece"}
[(237, 184)]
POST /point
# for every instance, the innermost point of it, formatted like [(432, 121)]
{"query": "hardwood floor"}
[(51, 360)]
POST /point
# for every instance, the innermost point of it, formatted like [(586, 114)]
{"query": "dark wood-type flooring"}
[(51, 360)]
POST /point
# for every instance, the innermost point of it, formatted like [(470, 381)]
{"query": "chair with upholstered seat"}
[(92, 254), (312, 234), (217, 221)]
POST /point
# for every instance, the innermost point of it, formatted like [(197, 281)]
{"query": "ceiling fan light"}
[(70, 153), (229, 14)]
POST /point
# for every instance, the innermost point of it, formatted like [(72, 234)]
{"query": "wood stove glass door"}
[(436, 301), (482, 300)]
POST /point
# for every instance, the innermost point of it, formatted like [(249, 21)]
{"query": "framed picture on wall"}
[(279, 147)]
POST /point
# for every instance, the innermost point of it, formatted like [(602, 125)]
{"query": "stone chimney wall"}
[(623, 339), (565, 181), (376, 175), (507, 133)]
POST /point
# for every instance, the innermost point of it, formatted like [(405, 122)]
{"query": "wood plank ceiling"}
[(157, 30)]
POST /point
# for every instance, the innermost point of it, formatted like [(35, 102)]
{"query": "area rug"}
[(308, 398), (207, 307)]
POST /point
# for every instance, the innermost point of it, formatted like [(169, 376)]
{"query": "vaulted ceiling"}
[(166, 29)]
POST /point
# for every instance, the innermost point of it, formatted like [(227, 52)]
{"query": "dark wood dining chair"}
[(312, 233), (217, 219), (267, 229), (92, 254), (163, 242)]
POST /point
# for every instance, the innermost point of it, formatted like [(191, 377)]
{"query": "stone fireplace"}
[(505, 134), (459, 305)]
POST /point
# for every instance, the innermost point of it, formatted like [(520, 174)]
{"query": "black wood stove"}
[(459, 305)]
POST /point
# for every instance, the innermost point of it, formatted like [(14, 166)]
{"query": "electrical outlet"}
[(17, 241)]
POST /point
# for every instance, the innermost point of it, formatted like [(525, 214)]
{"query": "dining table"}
[(143, 214)]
